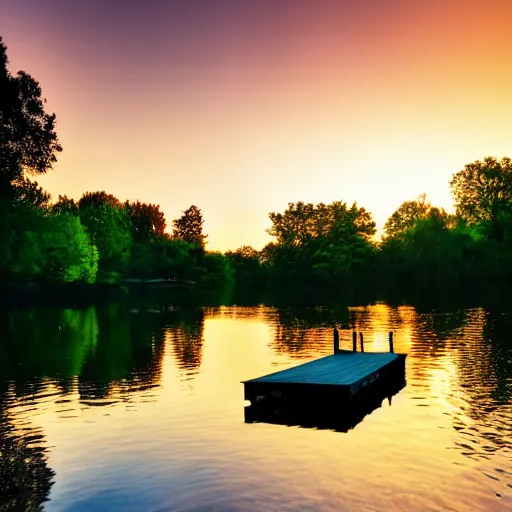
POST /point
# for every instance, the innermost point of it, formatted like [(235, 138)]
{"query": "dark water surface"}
[(123, 408)]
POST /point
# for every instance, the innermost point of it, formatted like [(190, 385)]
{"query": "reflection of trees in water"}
[(298, 340), (443, 326), (110, 361), (186, 333), (307, 328), (128, 356), (46, 343), (484, 366), (98, 350), (361, 319), (25, 478), (497, 333), (483, 418), (260, 313), (473, 348)]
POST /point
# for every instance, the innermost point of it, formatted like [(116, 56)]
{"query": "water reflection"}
[(127, 358), (25, 478), (340, 417), (68, 376), (186, 336), (46, 343)]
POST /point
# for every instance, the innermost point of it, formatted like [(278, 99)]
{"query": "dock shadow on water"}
[(337, 415)]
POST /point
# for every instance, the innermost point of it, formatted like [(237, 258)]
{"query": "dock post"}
[(391, 348), (361, 340), (354, 341), (336, 340)]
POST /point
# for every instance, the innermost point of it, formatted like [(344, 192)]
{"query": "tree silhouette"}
[(65, 205), (303, 222), (29, 192), (406, 215), (147, 220), (321, 241), (189, 227), (97, 199), (28, 141), (483, 194)]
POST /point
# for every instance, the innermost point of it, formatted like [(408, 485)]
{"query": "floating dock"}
[(325, 415), (339, 377)]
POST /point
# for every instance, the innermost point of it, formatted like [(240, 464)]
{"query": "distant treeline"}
[(422, 247), (99, 239)]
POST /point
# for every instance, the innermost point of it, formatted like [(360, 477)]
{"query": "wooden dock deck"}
[(340, 376)]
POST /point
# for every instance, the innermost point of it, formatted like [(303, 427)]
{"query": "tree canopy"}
[(147, 220), (320, 240), (303, 222), (65, 205), (406, 215), (483, 194), (28, 141), (189, 227), (29, 192), (98, 199), (109, 229)]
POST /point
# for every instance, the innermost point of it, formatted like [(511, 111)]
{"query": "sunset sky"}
[(242, 106)]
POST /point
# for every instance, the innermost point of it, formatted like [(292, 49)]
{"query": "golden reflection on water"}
[(160, 424)]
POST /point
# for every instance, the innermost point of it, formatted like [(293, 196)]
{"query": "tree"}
[(189, 227), (303, 222), (243, 255), (430, 250), (321, 240), (247, 265), (29, 192), (65, 205), (406, 216), (218, 271), (147, 221), (483, 194), (28, 141), (109, 230), (98, 199), (45, 248)]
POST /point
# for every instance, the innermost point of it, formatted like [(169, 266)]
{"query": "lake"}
[(138, 406)]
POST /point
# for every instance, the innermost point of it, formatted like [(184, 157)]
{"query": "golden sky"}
[(242, 107)]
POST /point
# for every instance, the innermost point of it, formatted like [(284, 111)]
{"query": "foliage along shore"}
[(98, 242)]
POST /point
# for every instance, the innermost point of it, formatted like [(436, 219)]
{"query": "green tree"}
[(244, 258), (41, 248), (147, 221), (218, 271), (251, 267), (325, 241), (28, 141), (70, 255), (109, 229), (431, 250), (407, 214), (483, 194), (189, 227), (303, 222)]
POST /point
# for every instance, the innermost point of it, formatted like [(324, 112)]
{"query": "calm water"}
[(142, 409)]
